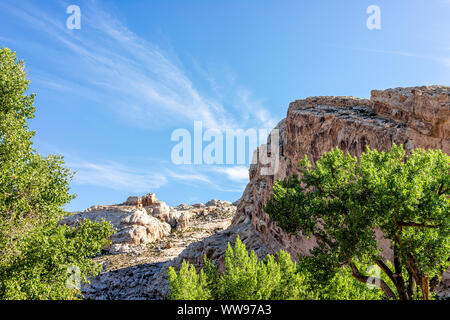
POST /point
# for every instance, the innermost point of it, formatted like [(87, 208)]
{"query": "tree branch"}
[(410, 261), (399, 281), (420, 225), (411, 284), (364, 279), (441, 192), (386, 269), (425, 287)]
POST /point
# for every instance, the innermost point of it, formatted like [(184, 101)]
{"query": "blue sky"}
[(110, 94)]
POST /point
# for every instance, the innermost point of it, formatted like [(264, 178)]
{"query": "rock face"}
[(415, 117), (144, 201), (138, 221), (134, 226)]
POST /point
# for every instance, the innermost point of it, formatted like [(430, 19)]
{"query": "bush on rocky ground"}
[(274, 278)]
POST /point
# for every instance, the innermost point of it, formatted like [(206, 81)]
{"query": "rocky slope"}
[(150, 234)]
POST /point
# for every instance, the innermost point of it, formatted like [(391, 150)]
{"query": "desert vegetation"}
[(342, 202), (274, 278)]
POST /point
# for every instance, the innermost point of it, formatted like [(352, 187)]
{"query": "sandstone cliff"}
[(415, 117)]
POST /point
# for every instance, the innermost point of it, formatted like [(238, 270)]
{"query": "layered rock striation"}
[(416, 117)]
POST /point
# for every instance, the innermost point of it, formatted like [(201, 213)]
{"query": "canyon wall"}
[(416, 117)]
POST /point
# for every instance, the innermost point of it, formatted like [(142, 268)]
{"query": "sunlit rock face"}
[(142, 220), (416, 117), (134, 226)]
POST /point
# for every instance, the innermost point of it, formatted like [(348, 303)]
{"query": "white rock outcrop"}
[(134, 226)]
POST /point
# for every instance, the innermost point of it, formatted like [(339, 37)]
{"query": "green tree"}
[(342, 286), (245, 278), (342, 202), (35, 252), (187, 284)]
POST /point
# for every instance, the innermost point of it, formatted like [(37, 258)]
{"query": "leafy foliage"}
[(342, 285), (36, 252), (342, 202), (187, 284), (274, 278)]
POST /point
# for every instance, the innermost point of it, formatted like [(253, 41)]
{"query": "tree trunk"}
[(425, 287), (411, 284), (398, 276), (364, 279)]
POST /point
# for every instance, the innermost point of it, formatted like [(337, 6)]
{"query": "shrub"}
[(343, 200), (274, 278)]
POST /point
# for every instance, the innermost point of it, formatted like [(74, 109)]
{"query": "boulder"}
[(144, 201), (161, 211), (183, 206), (215, 203)]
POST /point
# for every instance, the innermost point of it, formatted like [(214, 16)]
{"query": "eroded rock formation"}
[(127, 273), (142, 220), (416, 117)]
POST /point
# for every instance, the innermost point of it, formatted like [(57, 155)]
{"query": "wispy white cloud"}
[(236, 173), (113, 175), (441, 59), (193, 177), (117, 176), (144, 84), (249, 103), (216, 177)]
